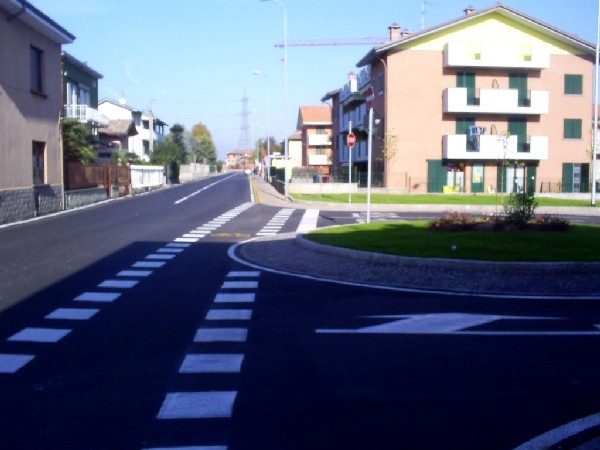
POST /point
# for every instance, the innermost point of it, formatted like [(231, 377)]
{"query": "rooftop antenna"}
[(423, 11)]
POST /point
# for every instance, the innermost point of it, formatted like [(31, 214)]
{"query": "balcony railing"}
[(319, 140), (495, 147), (504, 55), (86, 114), (495, 101)]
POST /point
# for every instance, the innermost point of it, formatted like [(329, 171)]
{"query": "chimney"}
[(469, 10), (394, 32), (405, 33), (352, 82)]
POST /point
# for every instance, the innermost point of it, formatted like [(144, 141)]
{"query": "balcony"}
[(495, 147), (500, 55), (318, 160), (86, 114), (319, 140), (495, 101)]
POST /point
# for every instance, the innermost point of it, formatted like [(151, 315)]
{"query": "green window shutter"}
[(573, 84), (519, 81), (567, 177), (462, 127), (517, 126), (467, 80), (585, 178), (572, 129), (531, 179), (501, 179), (436, 175)]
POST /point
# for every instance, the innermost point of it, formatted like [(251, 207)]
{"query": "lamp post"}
[(258, 72), (285, 96)]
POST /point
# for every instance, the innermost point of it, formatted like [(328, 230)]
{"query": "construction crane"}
[(370, 40)]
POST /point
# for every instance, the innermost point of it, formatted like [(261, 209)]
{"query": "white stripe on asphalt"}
[(73, 313), (229, 314), (309, 221), (240, 285), (212, 363), (119, 284), (221, 335), (51, 335), (244, 297), (197, 405), (10, 363), (97, 297), (134, 273)]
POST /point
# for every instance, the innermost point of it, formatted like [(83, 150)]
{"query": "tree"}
[(167, 152), (77, 142), (206, 145)]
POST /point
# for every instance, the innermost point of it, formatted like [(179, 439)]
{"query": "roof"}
[(119, 127), (314, 115), (36, 19), (522, 18), (297, 136), (330, 95), (132, 109), (81, 65)]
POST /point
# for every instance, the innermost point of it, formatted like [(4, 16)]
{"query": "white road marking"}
[(229, 314), (187, 197), (134, 273), (169, 250), (157, 256), (221, 335), (10, 363), (197, 405), (97, 297), (73, 313), (119, 284), (148, 264), (240, 285), (184, 239), (178, 245), (308, 221), (452, 323), (212, 363), (51, 335), (243, 297), (244, 273), (195, 447)]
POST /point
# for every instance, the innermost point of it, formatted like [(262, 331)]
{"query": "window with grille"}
[(39, 162)]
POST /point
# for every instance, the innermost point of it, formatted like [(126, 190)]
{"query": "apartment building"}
[(31, 175), (493, 101), (315, 126)]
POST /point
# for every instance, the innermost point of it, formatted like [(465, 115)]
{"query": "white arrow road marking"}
[(451, 323)]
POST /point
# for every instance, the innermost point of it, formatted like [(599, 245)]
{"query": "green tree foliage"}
[(167, 152), (77, 142), (262, 146), (206, 145), (125, 157)]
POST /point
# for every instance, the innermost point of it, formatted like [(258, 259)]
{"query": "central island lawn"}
[(581, 243), (433, 199)]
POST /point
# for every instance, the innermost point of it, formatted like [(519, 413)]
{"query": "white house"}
[(141, 143)]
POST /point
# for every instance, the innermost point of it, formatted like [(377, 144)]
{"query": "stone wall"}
[(23, 204)]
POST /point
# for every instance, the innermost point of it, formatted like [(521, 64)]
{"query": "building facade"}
[(31, 166), (494, 101), (80, 93), (315, 126), (149, 129)]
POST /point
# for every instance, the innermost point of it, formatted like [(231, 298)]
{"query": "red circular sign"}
[(351, 139)]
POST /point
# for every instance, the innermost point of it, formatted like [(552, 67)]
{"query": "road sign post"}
[(351, 141)]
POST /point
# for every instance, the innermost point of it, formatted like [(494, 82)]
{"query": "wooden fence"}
[(85, 176)]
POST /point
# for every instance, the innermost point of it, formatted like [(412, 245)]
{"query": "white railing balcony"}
[(315, 140), (503, 55), (318, 160), (495, 101), (86, 114), (495, 147)]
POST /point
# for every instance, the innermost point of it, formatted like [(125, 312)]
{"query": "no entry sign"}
[(351, 139)]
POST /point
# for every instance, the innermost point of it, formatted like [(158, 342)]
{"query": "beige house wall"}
[(24, 116)]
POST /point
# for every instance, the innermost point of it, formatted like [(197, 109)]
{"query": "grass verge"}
[(581, 243), (432, 199)]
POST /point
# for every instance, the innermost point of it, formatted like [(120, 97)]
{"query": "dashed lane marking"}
[(46, 335), (73, 313), (11, 363), (212, 363), (221, 335), (197, 405)]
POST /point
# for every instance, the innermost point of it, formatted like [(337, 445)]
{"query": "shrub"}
[(452, 221), (520, 208), (552, 223)]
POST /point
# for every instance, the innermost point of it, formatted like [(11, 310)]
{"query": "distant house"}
[(149, 129), (31, 166), (315, 126), (80, 93), (240, 159)]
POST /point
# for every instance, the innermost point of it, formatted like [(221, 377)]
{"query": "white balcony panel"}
[(86, 114), (318, 160), (495, 101), (504, 55), (494, 147), (319, 139)]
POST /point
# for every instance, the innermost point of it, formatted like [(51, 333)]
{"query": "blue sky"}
[(194, 59)]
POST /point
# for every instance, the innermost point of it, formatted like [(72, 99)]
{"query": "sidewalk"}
[(303, 257)]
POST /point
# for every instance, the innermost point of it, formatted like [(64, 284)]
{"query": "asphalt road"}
[(128, 326)]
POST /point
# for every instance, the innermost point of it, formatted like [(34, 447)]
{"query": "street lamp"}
[(285, 95), (258, 72)]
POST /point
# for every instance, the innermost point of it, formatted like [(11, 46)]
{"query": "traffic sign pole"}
[(350, 147)]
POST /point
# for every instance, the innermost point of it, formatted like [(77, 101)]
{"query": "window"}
[(39, 163), (146, 124), (573, 84), (380, 84), (572, 129), (467, 80), (35, 60)]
